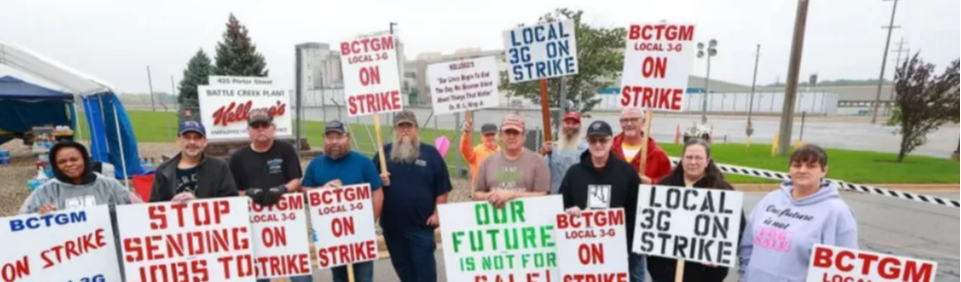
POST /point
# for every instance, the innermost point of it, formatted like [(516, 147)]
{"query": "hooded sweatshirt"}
[(94, 189), (665, 269), (658, 165), (617, 178), (781, 232)]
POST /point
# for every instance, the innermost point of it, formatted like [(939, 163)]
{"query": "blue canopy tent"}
[(111, 135), (24, 105)]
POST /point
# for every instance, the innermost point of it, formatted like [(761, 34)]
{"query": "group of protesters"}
[(502, 169)]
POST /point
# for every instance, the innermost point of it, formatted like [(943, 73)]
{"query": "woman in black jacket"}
[(698, 171)]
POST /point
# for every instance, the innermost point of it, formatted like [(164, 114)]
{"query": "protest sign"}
[(70, 245), (657, 65), (696, 225), (464, 85), (280, 238), (829, 264), (343, 221), (371, 76), (592, 246), (515, 243), (224, 106), (202, 240), (541, 51)]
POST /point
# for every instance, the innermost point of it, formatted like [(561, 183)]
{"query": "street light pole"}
[(884, 63), (750, 107), (711, 52)]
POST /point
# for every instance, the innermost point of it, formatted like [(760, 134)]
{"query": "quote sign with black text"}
[(696, 225)]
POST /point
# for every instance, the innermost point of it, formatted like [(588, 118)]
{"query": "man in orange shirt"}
[(474, 156)]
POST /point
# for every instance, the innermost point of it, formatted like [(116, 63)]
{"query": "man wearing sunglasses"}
[(266, 169), (601, 181), (474, 156)]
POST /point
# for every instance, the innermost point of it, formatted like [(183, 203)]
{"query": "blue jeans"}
[(412, 254), (363, 272), (637, 265), (306, 278)]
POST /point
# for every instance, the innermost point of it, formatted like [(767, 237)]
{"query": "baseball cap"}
[(405, 116), (335, 126), (259, 115), (489, 128), (599, 129), (575, 116), (513, 121), (192, 126)]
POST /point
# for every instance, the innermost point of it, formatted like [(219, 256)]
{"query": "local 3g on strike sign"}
[(343, 221), (592, 246), (657, 63), (834, 264), (371, 79), (281, 244)]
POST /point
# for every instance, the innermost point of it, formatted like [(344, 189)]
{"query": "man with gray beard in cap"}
[(416, 182)]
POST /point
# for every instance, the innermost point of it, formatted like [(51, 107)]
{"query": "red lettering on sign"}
[(177, 271), (274, 236), (656, 67), (237, 112), (591, 219), (367, 45), (244, 264), (209, 213), (652, 98), (73, 249), (374, 102), (346, 254), (369, 75), (289, 202), (590, 254), (158, 217), (888, 267), (595, 277), (17, 270), (339, 196), (662, 32), (284, 265), (343, 226), (178, 245)]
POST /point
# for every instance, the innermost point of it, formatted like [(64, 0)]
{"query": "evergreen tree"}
[(197, 72), (236, 55)]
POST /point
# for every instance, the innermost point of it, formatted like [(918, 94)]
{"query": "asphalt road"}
[(834, 132), (886, 225)]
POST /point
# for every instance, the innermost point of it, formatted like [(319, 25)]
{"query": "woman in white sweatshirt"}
[(785, 225)]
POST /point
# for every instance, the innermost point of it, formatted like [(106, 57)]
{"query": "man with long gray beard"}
[(340, 166), (416, 182), (566, 152)]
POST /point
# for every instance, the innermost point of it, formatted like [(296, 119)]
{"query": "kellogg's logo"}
[(238, 112)]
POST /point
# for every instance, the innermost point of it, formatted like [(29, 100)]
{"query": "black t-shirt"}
[(186, 180), (272, 168)]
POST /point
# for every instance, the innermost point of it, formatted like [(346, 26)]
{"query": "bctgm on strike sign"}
[(202, 240), (483, 243), (464, 85), (541, 51), (657, 65), (593, 246), (72, 245), (281, 242), (829, 263), (343, 220), (697, 225), (371, 79)]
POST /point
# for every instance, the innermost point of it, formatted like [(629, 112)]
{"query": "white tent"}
[(77, 83)]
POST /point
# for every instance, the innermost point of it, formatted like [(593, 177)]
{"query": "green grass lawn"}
[(850, 166)]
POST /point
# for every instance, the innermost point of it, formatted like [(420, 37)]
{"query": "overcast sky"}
[(116, 40)]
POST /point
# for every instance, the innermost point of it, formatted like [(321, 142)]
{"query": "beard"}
[(406, 149), (336, 151), (568, 142)]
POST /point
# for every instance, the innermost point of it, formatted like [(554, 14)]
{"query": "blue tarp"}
[(105, 114), (24, 105)]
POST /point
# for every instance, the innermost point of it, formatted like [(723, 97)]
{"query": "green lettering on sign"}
[(546, 239)]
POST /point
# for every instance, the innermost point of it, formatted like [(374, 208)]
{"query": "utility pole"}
[(150, 83), (750, 107), (897, 64), (884, 62), (298, 93), (711, 52), (797, 48)]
